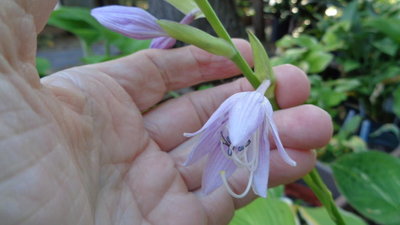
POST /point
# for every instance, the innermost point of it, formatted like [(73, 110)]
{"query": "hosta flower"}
[(137, 23), (236, 136)]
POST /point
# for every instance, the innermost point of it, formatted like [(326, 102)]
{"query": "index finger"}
[(149, 74)]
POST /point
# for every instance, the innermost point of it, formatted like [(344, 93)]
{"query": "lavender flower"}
[(132, 22), (236, 136), (137, 23)]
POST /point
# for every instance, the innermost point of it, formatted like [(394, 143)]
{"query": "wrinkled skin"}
[(88, 145)]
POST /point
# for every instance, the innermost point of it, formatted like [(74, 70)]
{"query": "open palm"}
[(90, 145)]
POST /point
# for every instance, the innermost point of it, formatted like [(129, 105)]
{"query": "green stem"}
[(314, 181), (216, 24), (246, 70)]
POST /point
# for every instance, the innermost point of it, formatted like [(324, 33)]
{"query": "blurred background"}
[(350, 51)]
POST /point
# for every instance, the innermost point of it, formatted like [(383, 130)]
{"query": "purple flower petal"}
[(162, 43), (216, 163), (276, 138), (209, 141), (130, 21), (190, 17), (245, 117), (260, 180), (219, 113)]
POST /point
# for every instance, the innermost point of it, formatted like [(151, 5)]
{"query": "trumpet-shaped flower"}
[(236, 136), (137, 23)]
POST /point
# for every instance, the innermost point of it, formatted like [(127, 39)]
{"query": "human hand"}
[(90, 145)]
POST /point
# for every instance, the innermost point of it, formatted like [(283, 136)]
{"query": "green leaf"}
[(350, 64), (387, 46), (77, 21), (303, 40), (345, 84), (333, 37), (370, 181), (350, 12), (262, 65), (276, 192), (388, 26), (186, 6), (128, 45), (350, 127), (199, 38), (43, 66), (319, 216), (318, 61), (265, 211)]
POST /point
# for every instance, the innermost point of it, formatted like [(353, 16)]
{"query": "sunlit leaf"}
[(319, 216), (265, 212), (370, 181)]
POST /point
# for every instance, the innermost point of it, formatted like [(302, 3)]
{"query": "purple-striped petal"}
[(216, 163), (219, 113), (261, 175), (209, 141), (245, 117), (275, 135), (130, 21), (162, 43)]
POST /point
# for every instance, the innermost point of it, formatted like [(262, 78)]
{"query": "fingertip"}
[(293, 86)]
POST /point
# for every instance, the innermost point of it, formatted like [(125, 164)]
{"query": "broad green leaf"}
[(185, 6), (77, 21), (265, 211), (388, 26), (319, 216), (345, 84), (387, 46), (333, 37), (350, 12), (199, 38), (370, 181), (262, 65), (318, 61)]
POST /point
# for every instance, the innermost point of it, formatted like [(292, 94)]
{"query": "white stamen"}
[(229, 189)]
